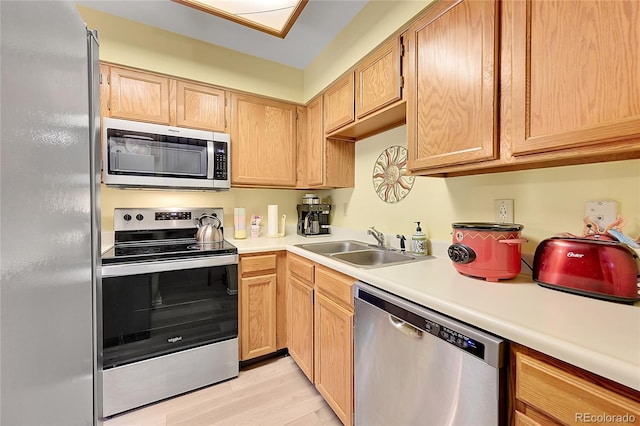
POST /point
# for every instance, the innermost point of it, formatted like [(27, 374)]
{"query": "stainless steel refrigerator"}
[(49, 215)]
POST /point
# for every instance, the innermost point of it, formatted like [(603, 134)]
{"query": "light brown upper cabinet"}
[(339, 103), (329, 163), (200, 107), (379, 78), (263, 142), (137, 95), (153, 98), (451, 85), (378, 100), (105, 87), (571, 77)]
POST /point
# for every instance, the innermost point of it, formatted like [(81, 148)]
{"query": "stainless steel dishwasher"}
[(414, 366)]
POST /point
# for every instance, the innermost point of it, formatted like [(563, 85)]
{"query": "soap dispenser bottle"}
[(419, 242)]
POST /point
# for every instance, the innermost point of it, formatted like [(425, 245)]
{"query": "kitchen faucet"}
[(379, 236)]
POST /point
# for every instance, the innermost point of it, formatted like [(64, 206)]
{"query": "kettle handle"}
[(209, 216)]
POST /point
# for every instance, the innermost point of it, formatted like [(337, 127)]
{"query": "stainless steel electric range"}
[(169, 308)]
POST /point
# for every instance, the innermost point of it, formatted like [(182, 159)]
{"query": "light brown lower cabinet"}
[(333, 326), (320, 337), (300, 336), (257, 305), (258, 318), (547, 391)]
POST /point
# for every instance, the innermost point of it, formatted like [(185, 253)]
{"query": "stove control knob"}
[(139, 216), (127, 217), (461, 253)]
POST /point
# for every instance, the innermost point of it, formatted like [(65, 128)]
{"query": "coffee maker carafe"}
[(313, 219)]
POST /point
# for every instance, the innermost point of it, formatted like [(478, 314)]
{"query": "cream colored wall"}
[(547, 201), (141, 46), (255, 201), (128, 43), (377, 21)]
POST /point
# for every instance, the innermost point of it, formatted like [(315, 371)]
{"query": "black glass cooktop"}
[(162, 250)]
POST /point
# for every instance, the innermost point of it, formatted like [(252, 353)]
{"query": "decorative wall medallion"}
[(389, 175)]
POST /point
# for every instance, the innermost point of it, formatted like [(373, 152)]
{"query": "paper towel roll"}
[(272, 220)]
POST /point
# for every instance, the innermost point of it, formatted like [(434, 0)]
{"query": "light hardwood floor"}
[(274, 392)]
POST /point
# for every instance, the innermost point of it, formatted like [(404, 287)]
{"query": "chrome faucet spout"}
[(379, 236)]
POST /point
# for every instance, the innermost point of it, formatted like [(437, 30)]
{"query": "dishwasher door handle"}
[(405, 327)]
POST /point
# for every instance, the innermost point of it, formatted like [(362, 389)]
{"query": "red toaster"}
[(603, 269)]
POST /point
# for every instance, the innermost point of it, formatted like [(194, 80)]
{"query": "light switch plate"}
[(602, 213)]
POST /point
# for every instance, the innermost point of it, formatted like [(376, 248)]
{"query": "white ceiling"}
[(318, 24)]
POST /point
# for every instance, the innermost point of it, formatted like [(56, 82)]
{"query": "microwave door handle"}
[(210, 159)]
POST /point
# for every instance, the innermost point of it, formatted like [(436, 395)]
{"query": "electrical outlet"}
[(504, 211), (345, 209), (601, 213)]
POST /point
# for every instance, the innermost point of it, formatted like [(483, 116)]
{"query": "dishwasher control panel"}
[(454, 337)]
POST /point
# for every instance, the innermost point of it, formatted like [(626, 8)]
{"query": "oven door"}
[(151, 309)]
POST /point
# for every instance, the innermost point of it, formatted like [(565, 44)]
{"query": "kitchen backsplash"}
[(255, 201), (546, 201)]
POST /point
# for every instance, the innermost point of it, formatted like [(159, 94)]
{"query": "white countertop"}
[(599, 336)]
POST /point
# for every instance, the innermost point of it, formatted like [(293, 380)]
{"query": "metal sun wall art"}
[(390, 180)]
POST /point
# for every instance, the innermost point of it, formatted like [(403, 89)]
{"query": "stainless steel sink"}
[(375, 257), (335, 247), (361, 255)]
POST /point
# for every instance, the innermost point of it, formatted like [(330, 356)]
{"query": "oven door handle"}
[(126, 269)]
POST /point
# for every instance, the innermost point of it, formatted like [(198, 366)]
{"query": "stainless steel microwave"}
[(145, 155)]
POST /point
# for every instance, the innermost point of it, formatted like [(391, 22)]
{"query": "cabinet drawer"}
[(521, 419), (336, 285), (565, 396), (301, 267), (260, 263)]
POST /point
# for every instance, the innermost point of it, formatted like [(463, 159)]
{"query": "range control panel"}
[(173, 215), (145, 219)]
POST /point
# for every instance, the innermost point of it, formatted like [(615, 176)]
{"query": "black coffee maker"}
[(313, 219)]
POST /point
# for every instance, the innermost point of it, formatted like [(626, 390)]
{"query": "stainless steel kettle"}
[(209, 233)]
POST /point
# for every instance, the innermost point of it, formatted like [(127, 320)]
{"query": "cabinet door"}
[(574, 72), (563, 395), (451, 85), (378, 79), (200, 107), (334, 356), (139, 96), (521, 419), (300, 336), (258, 316), (315, 143), (301, 159), (263, 142), (105, 91), (339, 102), (330, 163)]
